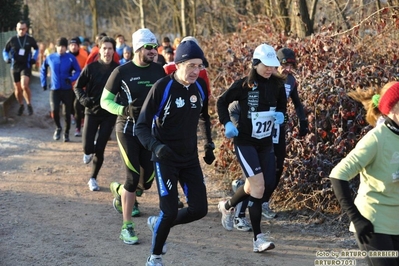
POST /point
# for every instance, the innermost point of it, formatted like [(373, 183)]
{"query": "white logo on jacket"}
[(179, 102), (395, 157)]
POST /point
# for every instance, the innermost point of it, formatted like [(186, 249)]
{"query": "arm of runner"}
[(6, 55), (43, 74), (77, 69), (107, 103)]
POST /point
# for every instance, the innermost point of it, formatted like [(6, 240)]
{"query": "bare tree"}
[(139, 4)]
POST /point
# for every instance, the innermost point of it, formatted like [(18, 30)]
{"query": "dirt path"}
[(49, 217)]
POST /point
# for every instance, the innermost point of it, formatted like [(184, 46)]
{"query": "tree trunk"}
[(183, 18), (194, 17), (142, 14), (303, 22), (283, 16), (93, 9)]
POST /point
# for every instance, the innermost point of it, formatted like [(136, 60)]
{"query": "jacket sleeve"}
[(77, 69), (43, 73), (81, 82), (281, 97), (297, 103), (225, 99), (205, 120), (107, 103)]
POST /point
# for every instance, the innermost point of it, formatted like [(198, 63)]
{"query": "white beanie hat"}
[(141, 37), (190, 38), (267, 55)]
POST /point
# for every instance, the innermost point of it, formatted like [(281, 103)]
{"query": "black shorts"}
[(19, 71)]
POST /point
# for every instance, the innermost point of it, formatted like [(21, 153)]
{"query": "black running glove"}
[(8, 61), (44, 88), (162, 151), (87, 102), (364, 228), (32, 61), (131, 110), (209, 156), (68, 82)]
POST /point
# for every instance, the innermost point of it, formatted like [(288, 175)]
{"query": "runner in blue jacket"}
[(64, 69)]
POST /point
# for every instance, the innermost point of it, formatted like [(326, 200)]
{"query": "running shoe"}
[(242, 224), (262, 243), (57, 134), (227, 216), (87, 158), (117, 204), (77, 133), (154, 262), (21, 110), (66, 137), (267, 212), (93, 186), (151, 222), (30, 109), (139, 192), (114, 187), (128, 235), (136, 211)]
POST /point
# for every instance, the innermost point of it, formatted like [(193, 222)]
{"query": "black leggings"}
[(136, 158), (192, 181), (381, 242), (103, 125), (78, 113), (56, 97)]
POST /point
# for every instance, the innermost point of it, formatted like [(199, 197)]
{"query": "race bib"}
[(262, 124), (21, 52)]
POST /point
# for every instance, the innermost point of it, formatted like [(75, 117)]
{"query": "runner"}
[(88, 90), (64, 70), (130, 84), (167, 126), (21, 60), (263, 102)]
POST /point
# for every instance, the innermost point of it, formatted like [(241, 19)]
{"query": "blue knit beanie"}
[(188, 50)]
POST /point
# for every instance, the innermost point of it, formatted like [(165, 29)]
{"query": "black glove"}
[(303, 128), (9, 61), (131, 110), (68, 82), (44, 88), (162, 151), (32, 61), (209, 156), (87, 102), (364, 228)]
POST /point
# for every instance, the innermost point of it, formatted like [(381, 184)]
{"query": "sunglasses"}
[(149, 47)]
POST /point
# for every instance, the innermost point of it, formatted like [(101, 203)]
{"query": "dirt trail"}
[(49, 217)]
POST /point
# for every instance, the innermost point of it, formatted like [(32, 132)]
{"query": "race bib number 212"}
[(262, 124)]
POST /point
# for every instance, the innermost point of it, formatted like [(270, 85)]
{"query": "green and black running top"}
[(171, 115), (129, 83)]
